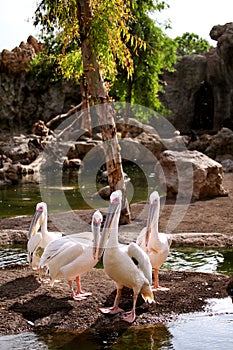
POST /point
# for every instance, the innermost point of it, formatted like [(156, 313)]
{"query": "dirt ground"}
[(28, 305)]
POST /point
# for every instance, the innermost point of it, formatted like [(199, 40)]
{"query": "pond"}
[(71, 190)]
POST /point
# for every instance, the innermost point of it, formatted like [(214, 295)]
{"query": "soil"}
[(28, 305)]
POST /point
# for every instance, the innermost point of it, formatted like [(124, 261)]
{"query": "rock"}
[(176, 143), (103, 192), (18, 60), (72, 163), (199, 92), (134, 127), (134, 151), (201, 143), (178, 172), (152, 142), (18, 148), (227, 165), (39, 128), (25, 99), (221, 143)]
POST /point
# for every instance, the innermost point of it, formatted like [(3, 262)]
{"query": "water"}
[(71, 190), (13, 254), (179, 259), (209, 330)]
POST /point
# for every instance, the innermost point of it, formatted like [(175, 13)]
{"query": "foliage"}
[(126, 40), (158, 54), (190, 43), (109, 29)]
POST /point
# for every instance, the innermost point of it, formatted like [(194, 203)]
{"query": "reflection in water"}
[(141, 338), (150, 337)]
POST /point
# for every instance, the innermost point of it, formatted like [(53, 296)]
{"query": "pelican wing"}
[(34, 242), (59, 245), (141, 259), (83, 235), (80, 237), (54, 248), (141, 237)]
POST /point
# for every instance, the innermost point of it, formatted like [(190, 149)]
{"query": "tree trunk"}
[(104, 107), (86, 117)]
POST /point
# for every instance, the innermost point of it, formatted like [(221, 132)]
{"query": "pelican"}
[(126, 265), (38, 240), (156, 244), (72, 256)]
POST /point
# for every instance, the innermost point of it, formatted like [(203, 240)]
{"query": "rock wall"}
[(199, 93), (23, 100)]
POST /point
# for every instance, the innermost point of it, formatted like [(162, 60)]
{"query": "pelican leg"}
[(73, 294), (131, 315), (40, 279), (113, 309), (156, 282), (81, 293)]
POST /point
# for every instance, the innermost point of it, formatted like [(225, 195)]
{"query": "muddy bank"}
[(27, 305)]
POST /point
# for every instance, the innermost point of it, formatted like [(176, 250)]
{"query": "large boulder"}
[(189, 175)]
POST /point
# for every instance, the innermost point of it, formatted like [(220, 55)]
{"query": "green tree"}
[(100, 39), (190, 43), (158, 53), (100, 31)]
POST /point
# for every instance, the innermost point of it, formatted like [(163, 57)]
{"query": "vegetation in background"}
[(190, 43), (131, 50)]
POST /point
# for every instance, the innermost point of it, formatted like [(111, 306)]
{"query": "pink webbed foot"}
[(85, 294), (129, 316), (159, 288), (78, 296), (111, 310)]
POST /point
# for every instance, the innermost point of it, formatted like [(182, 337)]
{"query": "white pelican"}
[(156, 244), (71, 256), (38, 240), (127, 265)]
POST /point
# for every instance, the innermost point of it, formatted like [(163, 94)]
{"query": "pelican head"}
[(96, 225), (38, 218), (154, 203), (113, 210)]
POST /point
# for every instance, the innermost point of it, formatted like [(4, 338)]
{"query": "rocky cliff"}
[(199, 93), (23, 100)]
